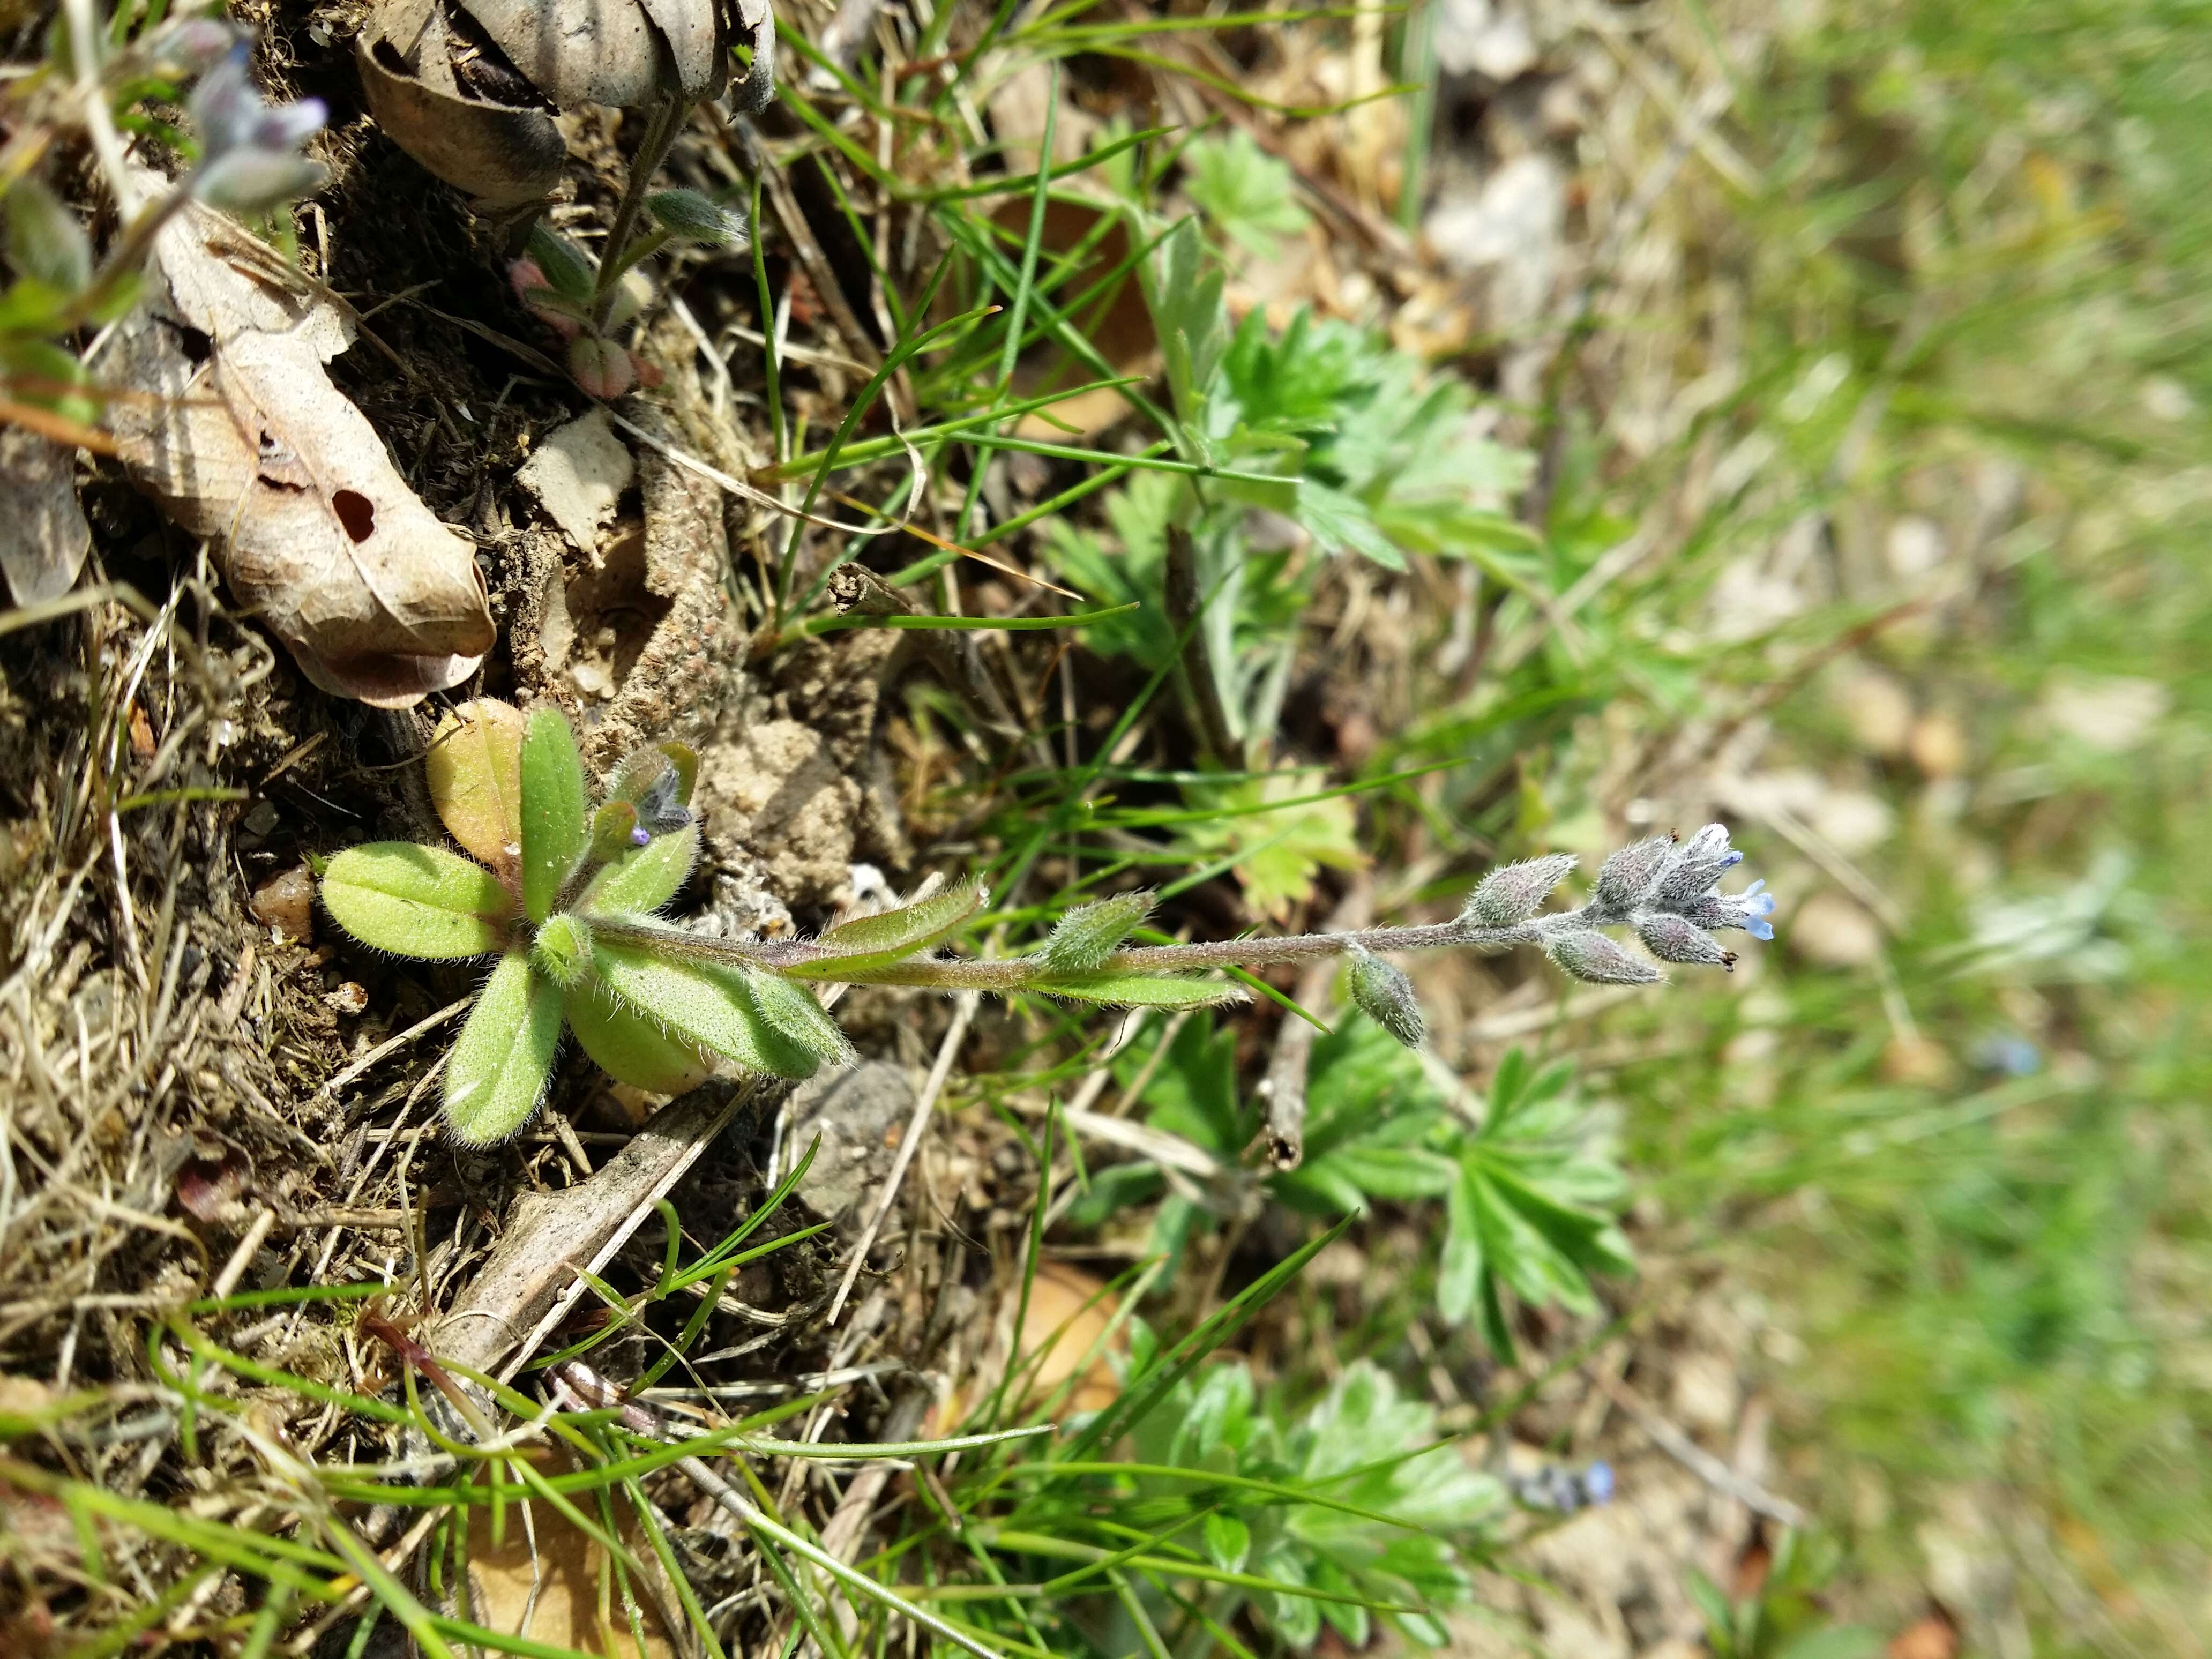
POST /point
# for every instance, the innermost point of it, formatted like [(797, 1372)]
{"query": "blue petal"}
[(1757, 928)]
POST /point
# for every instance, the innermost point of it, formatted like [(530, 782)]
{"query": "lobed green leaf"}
[(417, 901), (497, 1071)]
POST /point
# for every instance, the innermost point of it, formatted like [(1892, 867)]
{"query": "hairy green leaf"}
[(1089, 933), (1143, 990), (630, 1047), (498, 1068), (709, 1005), (793, 1010), (474, 771), (553, 828), (417, 901), (644, 879), (878, 941), (691, 217)]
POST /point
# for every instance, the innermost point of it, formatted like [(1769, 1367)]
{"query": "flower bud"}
[(1696, 864), (1589, 955), (1675, 939), (1627, 876), (1386, 996), (1511, 896)]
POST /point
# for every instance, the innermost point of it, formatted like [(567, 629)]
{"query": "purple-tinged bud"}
[(1696, 866), (1627, 876), (1511, 896), (1589, 955), (1675, 939), (1386, 996)]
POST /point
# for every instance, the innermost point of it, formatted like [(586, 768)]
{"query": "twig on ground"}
[(1700, 1461), (1285, 1087)]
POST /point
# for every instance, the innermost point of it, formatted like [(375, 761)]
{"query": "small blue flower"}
[(250, 161), (1747, 910), (1597, 1483), (641, 836), (1757, 904)]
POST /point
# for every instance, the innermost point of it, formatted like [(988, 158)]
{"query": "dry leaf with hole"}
[(246, 441)]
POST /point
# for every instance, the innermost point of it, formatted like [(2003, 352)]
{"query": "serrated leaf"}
[(1228, 1540), (1089, 933), (417, 901), (689, 216), (1250, 197), (709, 1005), (1461, 1268), (630, 1046), (878, 941), (1338, 520), (793, 1010), (553, 810), (474, 771), (498, 1068), (1183, 289), (645, 879), (1142, 990)]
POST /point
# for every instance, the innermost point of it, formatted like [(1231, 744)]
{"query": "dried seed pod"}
[(492, 137)]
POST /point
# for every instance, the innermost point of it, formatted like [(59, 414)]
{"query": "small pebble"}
[(286, 902)]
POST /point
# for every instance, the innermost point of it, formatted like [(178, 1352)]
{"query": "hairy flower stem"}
[(661, 128), (798, 959)]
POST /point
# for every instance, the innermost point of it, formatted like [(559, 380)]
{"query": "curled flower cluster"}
[(1667, 890)]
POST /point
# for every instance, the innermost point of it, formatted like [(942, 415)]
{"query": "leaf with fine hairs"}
[(792, 1009), (630, 1047), (553, 827), (1143, 990), (709, 1005), (645, 879), (474, 770), (498, 1068), (878, 941), (417, 901)]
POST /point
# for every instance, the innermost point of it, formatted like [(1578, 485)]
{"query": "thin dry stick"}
[(1700, 1463), (1285, 1087), (963, 1014)]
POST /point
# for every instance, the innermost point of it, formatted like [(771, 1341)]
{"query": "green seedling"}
[(568, 897)]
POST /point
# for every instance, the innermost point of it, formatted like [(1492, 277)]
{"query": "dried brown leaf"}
[(42, 535), (246, 441)]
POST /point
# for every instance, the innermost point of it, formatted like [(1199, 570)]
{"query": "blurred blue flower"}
[(251, 161)]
